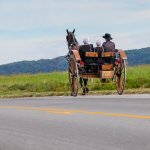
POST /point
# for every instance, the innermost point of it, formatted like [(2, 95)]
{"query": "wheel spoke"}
[(121, 77)]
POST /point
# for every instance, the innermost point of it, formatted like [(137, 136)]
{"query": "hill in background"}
[(138, 56), (39, 66), (135, 57)]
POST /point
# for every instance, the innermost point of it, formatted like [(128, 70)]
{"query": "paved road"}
[(82, 123)]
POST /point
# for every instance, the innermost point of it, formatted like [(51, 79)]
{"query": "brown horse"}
[(71, 40), (73, 44)]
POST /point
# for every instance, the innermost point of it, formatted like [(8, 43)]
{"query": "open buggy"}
[(113, 66)]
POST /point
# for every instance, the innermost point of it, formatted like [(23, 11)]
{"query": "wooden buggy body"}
[(116, 69)]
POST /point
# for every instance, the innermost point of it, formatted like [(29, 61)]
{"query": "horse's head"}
[(70, 37)]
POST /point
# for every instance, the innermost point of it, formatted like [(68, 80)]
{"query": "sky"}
[(36, 29)]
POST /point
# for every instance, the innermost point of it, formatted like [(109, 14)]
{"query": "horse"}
[(73, 44), (71, 40)]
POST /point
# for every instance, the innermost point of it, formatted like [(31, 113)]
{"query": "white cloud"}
[(128, 22), (22, 15), (50, 47), (31, 49)]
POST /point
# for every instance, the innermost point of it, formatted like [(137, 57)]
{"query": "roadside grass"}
[(56, 83), (138, 77)]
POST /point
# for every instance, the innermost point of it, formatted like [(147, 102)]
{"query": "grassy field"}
[(26, 85)]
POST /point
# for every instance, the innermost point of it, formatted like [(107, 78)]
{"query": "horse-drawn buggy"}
[(113, 66)]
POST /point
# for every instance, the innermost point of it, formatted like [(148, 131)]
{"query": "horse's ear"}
[(67, 30), (73, 30)]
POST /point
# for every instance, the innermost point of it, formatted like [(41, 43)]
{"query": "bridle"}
[(71, 40)]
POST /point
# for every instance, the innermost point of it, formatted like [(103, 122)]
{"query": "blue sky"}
[(36, 29)]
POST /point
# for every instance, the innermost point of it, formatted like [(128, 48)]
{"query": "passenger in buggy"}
[(99, 50), (98, 47), (86, 47)]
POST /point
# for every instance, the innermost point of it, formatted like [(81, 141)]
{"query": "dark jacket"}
[(83, 49), (108, 46), (99, 50)]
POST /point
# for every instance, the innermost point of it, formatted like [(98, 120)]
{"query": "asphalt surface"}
[(81, 123)]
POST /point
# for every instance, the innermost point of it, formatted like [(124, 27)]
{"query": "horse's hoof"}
[(73, 94), (87, 90), (103, 80), (83, 93)]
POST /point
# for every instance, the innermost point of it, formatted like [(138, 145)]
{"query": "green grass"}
[(138, 81), (138, 77), (33, 84)]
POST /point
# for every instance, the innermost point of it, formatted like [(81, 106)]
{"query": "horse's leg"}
[(85, 82), (85, 89), (81, 82)]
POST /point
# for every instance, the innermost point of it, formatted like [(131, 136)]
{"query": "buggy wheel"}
[(73, 76), (120, 76)]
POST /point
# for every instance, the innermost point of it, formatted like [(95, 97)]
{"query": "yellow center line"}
[(69, 112)]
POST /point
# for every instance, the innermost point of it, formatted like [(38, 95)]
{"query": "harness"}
[(74, 42)]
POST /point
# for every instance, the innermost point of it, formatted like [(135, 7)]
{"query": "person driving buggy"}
[(108, 45)]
